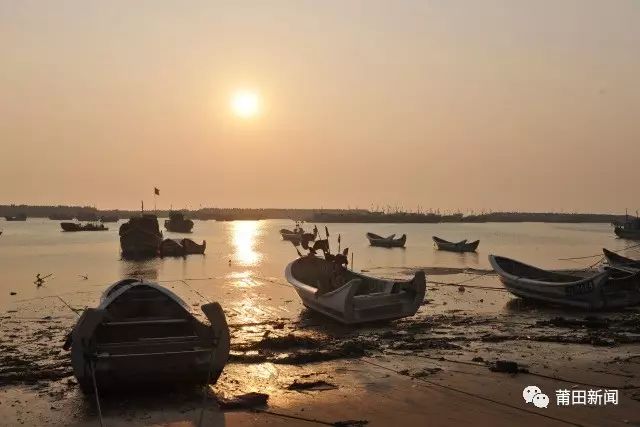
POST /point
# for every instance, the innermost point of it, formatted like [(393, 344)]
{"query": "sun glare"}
[(245, 104)]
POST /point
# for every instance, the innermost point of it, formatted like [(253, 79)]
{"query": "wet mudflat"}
[(446, 364)]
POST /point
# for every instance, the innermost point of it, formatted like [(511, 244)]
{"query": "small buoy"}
[(460, 288)]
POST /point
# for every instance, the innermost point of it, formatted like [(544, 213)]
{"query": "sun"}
[(245, 104)]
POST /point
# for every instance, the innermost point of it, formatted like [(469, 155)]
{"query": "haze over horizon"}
[(494, 105)]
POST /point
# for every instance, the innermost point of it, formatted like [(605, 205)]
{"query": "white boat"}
[(348, 297), (141, 334), (607, 289)]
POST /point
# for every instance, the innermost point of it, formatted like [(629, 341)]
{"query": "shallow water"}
[(244, 260)]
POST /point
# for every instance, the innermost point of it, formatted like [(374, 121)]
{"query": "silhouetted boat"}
[(620, 261), (387, 242), (74, 226), (607, 289), (109, 218), (461, 246), (181, 247), (19, 217), (298, 234), (142, 334), (630, 229), (177, 223), (140, 237)]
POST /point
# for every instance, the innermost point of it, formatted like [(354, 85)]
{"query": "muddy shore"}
[(439, 366)]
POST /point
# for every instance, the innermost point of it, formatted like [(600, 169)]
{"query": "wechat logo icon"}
[(533, 394)]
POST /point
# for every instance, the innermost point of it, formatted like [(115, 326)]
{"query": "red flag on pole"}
[(156, 191)]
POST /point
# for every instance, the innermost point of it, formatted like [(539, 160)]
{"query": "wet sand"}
[(433, 368)]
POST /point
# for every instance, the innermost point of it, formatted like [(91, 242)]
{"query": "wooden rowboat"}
[(349, 297), (607, 289), (620, 261), (461, 246), (181, 247), (143, 334), (387, 242)]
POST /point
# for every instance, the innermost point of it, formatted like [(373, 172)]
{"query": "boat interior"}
[(328, 276)]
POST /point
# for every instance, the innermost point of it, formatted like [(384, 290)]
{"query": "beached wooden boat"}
[(387, 242), (177, 223), (19, 217), (349, 297), (607, 289), (140, 237), (181, 247), (620, 261), (461, 246), (74, 226), (143, 334)]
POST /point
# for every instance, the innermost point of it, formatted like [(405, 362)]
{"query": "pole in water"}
[(352, 268)]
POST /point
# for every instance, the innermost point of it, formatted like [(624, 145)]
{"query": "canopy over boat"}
[(606, 289), (143, 334), (461, 246)]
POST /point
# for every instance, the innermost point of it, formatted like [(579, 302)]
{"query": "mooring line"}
[(487, 399)]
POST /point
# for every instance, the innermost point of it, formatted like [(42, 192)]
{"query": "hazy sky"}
[(503, 105)]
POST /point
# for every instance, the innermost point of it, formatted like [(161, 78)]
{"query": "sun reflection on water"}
[(244, 236)]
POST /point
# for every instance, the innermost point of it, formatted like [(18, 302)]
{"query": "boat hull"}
[(600, 291), (143, 335), (627, 234), (387, 242), (140, 237), (348, 304), (462, 246)]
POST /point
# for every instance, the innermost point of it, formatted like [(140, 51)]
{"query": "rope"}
[(487, 399), (600, 255), (95, 390)]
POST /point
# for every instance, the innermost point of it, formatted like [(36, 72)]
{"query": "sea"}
[(243, 267)]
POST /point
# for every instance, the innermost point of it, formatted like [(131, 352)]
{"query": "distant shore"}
[(311, 215)]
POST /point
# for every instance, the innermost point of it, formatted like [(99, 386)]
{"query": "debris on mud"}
[(244, 401), (507, 366), (319, 385)]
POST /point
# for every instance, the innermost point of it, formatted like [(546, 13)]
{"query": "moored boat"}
[(177, 223), (328, 287), (181, 247), (298, 234), (387, 242), (620, 261), (461, 246), (19, 217), (74, 226), (606, 289), (143, 334), (140, 237), (629, 229)]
